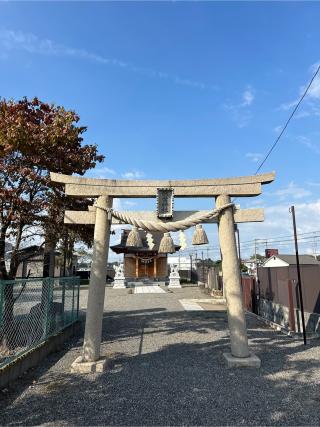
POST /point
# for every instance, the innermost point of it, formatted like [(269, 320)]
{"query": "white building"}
[(183, 262), (287, 260)]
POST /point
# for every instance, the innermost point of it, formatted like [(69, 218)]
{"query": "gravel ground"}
[(166, 368)]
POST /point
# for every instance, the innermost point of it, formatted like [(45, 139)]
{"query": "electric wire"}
[(288, 120)]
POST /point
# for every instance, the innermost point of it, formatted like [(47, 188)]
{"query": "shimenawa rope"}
[(165, 226)]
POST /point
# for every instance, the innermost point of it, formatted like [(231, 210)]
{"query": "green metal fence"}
[(31, 310)]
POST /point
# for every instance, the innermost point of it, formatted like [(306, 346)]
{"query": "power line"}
[(288, 121), (270, 239)]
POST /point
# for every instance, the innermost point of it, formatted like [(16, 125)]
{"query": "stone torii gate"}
[(102, 216)]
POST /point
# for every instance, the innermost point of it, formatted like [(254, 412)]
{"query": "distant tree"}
[(36, 138), (218, 264), (243, 268), (208, 262), (260, 258), (84, 257)]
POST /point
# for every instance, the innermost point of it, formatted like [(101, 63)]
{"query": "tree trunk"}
[(48, 271), (8, 295), (70, 247), (3, 268), (49, 257)]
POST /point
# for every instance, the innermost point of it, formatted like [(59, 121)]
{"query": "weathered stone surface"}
[(119, 284), (89, 217), (265, 178), (92, 336), (252, 361), (231, 279), (238, 186), (245, 190), (119, 279), (80, 366), (174, 277)]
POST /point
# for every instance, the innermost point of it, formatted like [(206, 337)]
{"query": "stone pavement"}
[(166, 368)]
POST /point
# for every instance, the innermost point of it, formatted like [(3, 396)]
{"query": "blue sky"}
[(180, 90)]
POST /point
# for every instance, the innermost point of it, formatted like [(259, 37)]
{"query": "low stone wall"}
[(33, 357), (279, 314)]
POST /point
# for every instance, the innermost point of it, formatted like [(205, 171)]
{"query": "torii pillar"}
[(240, 355), (89, 361)]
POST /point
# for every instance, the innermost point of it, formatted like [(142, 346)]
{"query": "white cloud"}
[(247, 97), (117, 205), (277, 129), (255, 157), (101, 173), (314, 90), (313, 184), (241, 114), (130, 203), (312, 97), (292, 191), (134, 174), (309, 144), (288, 105), (276, 231), (17, 40)]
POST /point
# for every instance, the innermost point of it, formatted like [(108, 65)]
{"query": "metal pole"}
[(292, 211), (202, 267), (255, 258), (314, 246)]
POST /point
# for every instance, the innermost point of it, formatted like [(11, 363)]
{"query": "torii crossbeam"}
[(220, 189)]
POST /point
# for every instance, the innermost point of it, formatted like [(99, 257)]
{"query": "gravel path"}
[(166, 368)]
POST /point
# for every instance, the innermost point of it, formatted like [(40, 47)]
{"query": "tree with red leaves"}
[(35, 138)]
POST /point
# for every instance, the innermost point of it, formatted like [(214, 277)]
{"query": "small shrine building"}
[(142, 262)]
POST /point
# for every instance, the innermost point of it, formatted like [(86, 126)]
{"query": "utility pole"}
[(314, 246), (292, 211), (255, 257), (202, 267)]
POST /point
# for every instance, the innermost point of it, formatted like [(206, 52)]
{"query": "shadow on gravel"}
[(185, 383), (124, 324)]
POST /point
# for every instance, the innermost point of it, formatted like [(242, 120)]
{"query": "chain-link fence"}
[(31, 310)]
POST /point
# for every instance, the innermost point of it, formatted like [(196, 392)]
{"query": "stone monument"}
[(174, 278), (119, 279)]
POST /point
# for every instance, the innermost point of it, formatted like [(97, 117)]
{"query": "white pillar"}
[(231, 280), (93, 329)]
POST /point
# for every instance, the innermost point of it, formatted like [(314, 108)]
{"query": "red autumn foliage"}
[(35, 138)]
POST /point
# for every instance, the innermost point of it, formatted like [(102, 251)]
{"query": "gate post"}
[(240, 355), (89, 361)]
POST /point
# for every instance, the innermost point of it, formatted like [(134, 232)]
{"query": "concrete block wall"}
[(279, 314)]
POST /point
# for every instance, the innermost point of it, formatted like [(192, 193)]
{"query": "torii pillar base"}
[(79, 366), (252, 361)]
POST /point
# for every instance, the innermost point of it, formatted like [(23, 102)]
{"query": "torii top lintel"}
[(243, 186)]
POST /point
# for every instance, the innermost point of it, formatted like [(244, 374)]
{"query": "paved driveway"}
[(166, 368)]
